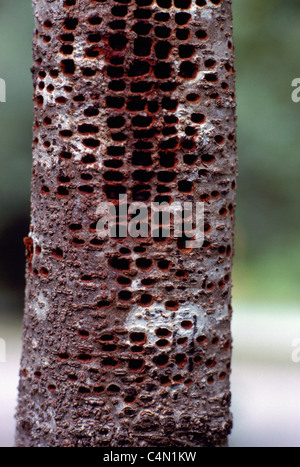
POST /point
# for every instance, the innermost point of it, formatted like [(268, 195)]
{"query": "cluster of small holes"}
[(140, 112)]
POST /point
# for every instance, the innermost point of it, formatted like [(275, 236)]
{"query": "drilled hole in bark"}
[(119, 11), (63, 356), (161, 343), (186, 51), (210, 363), (109, 348), (57, 253), (110, 362), (86, 278), (125, 295), (129, 399), (219, 139), (142, 13), (66, 38), (136, 365), (91, 143), (116, 122), (148, 282), (169, 104), (138, 337), (61, 100), (66, 133), (171, 305), (77, 242), (142, 28), (92, 52), (178, 379), (45, 190), (118, 42), (39, 100), (66, 49), (182, 34), (99, 389), (114, 192), (208, 158), (181, 360), (181, 274), (94, 38), (138, 68), (141, 158), (163, 32), (102, 304), (144, 263), (184, 186), (146, 299), (84, 358), (164, 3), (137, 349), (115, 102), (223, 211), (201, 340), (182, 341), (144, 2), (48, 24), (79, 98), (211, 77), (142, 47), (210, 63), (68, 67), (89, 72), (95, 20), (188, 70), (117, 24), (89, 159), (116, 151), (201, 34), (113, 388), (161, 360), (186, 324), (163, 332), (182, 18), (44, 272), (162, 17), (120, 263)]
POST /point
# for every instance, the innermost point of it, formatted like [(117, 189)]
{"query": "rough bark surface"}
[(127, 342)]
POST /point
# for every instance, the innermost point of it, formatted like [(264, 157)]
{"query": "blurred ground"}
[(265, 381)]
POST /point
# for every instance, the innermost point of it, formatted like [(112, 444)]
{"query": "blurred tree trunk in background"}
[(127, 340)]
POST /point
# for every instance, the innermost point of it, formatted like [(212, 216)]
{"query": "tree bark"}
[(127, 342)]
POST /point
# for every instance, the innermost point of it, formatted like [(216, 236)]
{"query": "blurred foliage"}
[(267, 35), (267, 262)]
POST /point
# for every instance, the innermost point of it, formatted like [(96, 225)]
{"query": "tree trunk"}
[(127, 340)]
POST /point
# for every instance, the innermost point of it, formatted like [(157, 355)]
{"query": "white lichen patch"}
[(41, 306)]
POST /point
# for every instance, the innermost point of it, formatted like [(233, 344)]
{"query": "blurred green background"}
[(267, 38)]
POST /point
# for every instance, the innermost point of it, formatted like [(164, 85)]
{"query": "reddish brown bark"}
[(127, 342)]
